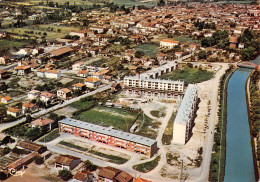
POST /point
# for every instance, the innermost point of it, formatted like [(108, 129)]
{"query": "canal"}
[(239, 157)]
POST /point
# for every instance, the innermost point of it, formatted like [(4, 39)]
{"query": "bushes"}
[(147, 166), (220, 143), (38, 160), (65, 174)]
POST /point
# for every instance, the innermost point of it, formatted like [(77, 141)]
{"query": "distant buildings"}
[(109, 136), (185, 116)]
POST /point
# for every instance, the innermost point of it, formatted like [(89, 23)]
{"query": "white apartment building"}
[(139, 86), (185, 116)]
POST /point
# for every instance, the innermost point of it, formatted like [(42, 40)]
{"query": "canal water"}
[(239, 157)]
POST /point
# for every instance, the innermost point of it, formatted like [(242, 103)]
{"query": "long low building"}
[(185, 117), (109, 136), (138, 86)]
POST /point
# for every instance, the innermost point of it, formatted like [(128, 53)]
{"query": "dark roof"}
[(108, 172), (61, 51), (30, 145), (66, 159), (124, 177)]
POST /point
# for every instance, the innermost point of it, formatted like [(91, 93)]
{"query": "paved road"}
[(42, 112)]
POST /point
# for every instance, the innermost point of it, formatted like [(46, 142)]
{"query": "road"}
[(42, 112), (202, 173)]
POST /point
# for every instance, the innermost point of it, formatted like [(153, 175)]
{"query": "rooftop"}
[(108, 131)]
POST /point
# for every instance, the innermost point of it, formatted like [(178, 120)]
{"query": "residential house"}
[(67, 162), (23, 70), (33, 94), (52, 74), (79, 86), (168, 43), (78, 66), (124, 177), (80, 33), (64, 93), (14, 112), (233, 42), (83, 73), (4, 60), (44, 124), (108, 174), (33, 147), (6, 99), (29, 107), (83, 176), (47, 97), (92, 82)]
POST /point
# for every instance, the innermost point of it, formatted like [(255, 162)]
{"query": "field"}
[(149, 49), (131, 3), (7, 44), (147, 166), (118, 118), (50, 136), (189, 75), (37, 31)]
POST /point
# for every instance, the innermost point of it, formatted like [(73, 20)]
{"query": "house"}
[(233, 41), (3, 74), (23, 70), (64, 93), (80, 33), (168, 43), (124, 177), (92, 82), (108, 174), (47, 97), (61, 52), (83, 176), (82, 73), (52, 74), (67, 162), (33, 94), (78, 66), (6, 99), (4, 60), (29, 107), (44, 124), (14, 112), (32, 146), (79, 86)]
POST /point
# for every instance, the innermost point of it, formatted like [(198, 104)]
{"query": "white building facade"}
[(185, 117), (138, 86)]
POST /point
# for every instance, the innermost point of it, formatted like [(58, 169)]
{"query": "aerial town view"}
[(129, 91)]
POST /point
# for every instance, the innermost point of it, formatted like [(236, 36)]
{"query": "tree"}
[(161, 3), (202, 54), (28, 118), (32, 133), (38, 160), (139, 54), (88, 165), (65, 174)]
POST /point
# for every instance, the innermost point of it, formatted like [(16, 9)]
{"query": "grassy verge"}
[(157, 114), (144, 126), (218, 157), (189, 75), (50, 136), (168, 132), (147, 166), (111, 158), (70, 145)]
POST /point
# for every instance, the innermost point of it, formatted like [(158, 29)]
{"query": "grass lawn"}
[(147, 166), (149, 49), (82, 104), (7, 44), (118, 118), (144, 127), (15, 93), (168, 132), (189, 75), (131, 3), (50, 136), (112, 158), (99, 62)]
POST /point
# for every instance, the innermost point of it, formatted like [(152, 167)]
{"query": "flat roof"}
[(154, 80), (185, 108), (109, 131)]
